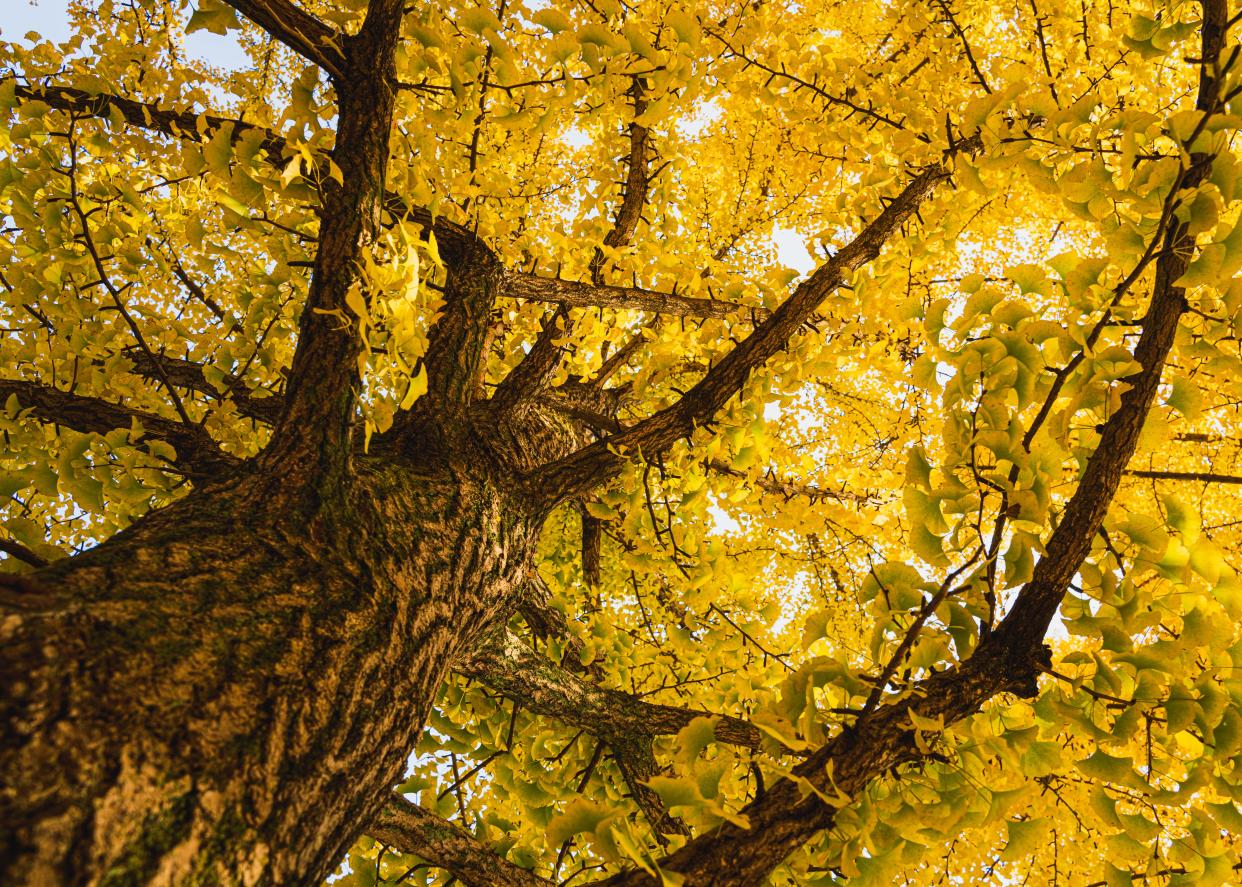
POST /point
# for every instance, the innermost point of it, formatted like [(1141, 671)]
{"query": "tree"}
[(424, 406)]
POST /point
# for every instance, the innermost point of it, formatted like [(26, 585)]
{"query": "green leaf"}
[(918, 469), (927, 545), (1185, 398), (1041, 759), (1029, 278), (553, 20), (1146, 531), (1140, 828), (677, 791), (1104, 806), (1181, 518)]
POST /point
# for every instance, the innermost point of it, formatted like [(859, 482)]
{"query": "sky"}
[(50, 19)]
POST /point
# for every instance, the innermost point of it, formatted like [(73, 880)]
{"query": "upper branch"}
[(299, 30), (577, 294), (593, 464), (534, 372), (177, 124), (454, 239), (188, 374), (851, 107), (1036, 604), (961, 35), (311, 440), (634, 194), (1207, 477), (457, 243)]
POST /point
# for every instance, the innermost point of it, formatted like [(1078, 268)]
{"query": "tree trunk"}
[(224, 692)]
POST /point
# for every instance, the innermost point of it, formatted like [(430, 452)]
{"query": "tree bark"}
[(225, 691)]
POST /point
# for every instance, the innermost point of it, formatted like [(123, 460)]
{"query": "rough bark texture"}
[(578, 294), (223, 693)]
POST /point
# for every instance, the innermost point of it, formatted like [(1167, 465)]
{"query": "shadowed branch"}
[(412, 829), (310, 442), (197, 454)]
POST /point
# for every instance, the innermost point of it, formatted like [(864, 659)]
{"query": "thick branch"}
[(456, 242), (188, 374), (590, 466), (197, 454), (458, 341), (17, 551), (299, 30), (789, 813), (510, 667), (411, 829), (533, 373), (592, 549), (453, 238), (543, 620), (176, 124), (311, 441), (636, 761), (634, 193), (1036, 604), (535, 370)]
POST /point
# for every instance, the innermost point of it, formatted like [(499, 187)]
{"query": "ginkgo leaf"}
[(1025, 836), (579, 816), (213, 16), (693, 738)]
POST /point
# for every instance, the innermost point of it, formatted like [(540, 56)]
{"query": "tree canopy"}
[(915, 565)]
